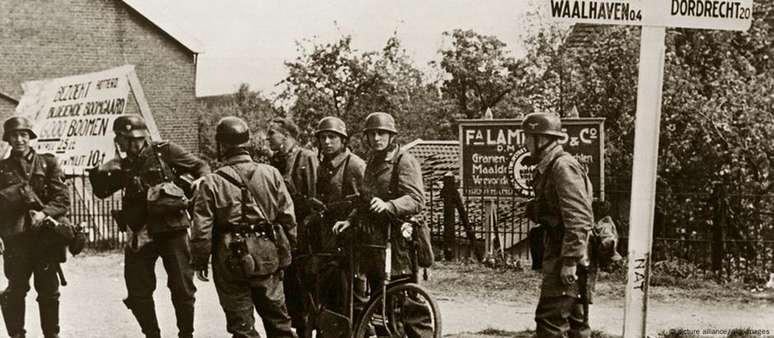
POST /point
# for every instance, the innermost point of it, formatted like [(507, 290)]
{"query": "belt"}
[(251, 229)]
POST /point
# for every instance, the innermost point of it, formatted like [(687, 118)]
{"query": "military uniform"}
[(298, 167), (30, 252), (563, 195), (338, 177), (216, 212), (405, 199), (167, 233)]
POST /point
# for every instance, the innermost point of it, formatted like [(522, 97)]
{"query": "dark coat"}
[(47, 180)]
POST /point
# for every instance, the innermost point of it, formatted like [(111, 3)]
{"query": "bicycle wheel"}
[(410, 312)]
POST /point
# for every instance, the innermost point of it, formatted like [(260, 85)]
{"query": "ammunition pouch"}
[(166, 198), (251, 252)]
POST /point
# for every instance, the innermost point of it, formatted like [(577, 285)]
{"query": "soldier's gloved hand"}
[(340, 226), (378, 205), (2, 246), (203, 273), (112, 165), (36, 218), (567, 274)]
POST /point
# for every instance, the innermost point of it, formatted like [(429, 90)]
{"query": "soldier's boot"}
[(185, 319), (49, 318), (13, 314), (145, 313)]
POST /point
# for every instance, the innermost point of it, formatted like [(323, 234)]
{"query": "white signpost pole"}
[(643, 198)]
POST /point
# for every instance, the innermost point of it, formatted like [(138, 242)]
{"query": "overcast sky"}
[(248, 40)]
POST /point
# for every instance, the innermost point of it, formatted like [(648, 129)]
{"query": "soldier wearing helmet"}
[(298, 167), (28, 250), (339, 176), (152, 232), (392, 193), (243, 217), (562, 208)]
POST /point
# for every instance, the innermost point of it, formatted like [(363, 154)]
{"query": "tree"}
[(246, 104), (333, 79), (480, 72)]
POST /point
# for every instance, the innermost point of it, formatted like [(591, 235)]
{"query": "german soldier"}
[(339, 179), (298, 167), (390, 197), (32, 190), (155, 217), (243, 217), (562, 208)]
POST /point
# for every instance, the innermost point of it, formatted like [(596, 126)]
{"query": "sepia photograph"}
[(430, 168)]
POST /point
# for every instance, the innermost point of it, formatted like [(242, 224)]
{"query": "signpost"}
[(653, 16), (73, 116)]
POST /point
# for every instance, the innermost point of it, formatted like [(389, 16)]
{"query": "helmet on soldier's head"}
[(380, 121), (17, 123), (332, 124), (131, 126), (232, 130), (542, 124)]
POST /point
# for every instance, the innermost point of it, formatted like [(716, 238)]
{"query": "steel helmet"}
[(132, 126), (17, 123), (543, 124), (332, 124), (380, 121), (232, 130)]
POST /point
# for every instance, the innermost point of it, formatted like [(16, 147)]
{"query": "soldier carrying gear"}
[(339, 178), (298, 167), (562, 207), (243, 218), (155, 216), (393, 189), (32, 189)]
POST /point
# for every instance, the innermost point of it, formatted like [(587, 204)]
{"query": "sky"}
[(247, 41)]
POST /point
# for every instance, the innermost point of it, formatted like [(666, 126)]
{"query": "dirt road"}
[(91, 306)]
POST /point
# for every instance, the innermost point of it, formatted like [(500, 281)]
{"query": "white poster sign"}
[(73, 116)]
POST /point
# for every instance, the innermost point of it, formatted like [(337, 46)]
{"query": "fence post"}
[(719, 220), (448, 191)]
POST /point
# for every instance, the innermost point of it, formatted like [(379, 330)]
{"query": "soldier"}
[(562, 208), (339, 176), (389, 198), (298, 167), (243, 216), (29, 251), (155, 217)]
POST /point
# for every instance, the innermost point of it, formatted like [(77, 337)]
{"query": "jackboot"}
[(49, 318), (145, 313), (13, 314), (185, 319)]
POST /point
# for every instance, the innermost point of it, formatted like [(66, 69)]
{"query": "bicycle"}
[(389, 316)]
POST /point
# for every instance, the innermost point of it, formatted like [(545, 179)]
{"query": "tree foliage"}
[(481, 72), (246, 104), (333, 79)]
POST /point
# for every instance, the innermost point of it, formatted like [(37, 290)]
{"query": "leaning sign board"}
[(73, 116), (493, 153), (706, 14)]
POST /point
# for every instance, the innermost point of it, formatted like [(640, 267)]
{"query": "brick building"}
[(48, 39)]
